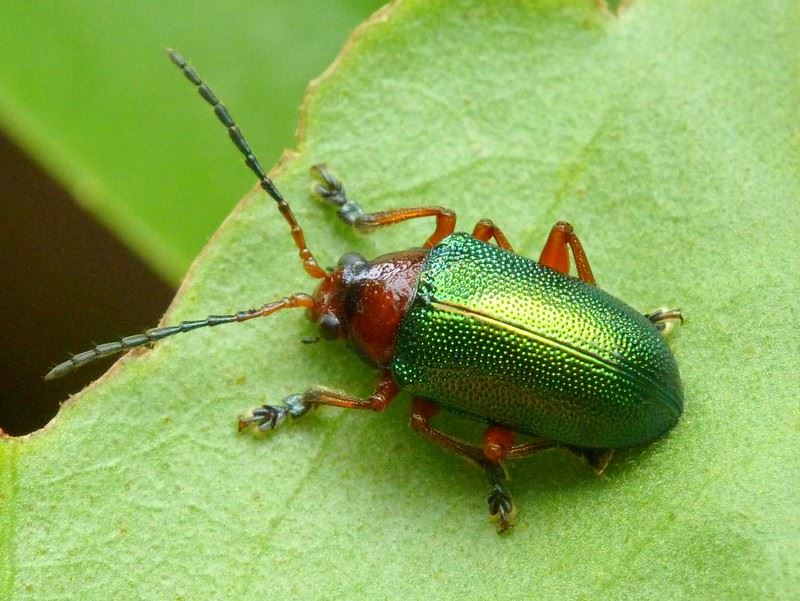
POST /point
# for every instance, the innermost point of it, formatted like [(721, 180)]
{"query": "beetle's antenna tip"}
[(155, 334), (175, 56), (52, 374)]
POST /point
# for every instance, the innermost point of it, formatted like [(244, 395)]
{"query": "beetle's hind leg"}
[(598, 459), (501, 505), (665, 319), (330, 189), (498, 444)]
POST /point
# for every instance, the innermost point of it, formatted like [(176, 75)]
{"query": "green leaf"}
[(668, 136)]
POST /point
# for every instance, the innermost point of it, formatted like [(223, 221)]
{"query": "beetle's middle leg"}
[(485, 230), (498, 444), (269, 417), (331, 189), (555, 253)]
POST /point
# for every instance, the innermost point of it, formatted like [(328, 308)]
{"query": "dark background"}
[(55, 295)]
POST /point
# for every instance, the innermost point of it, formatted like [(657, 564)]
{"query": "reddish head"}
[(365, 301)]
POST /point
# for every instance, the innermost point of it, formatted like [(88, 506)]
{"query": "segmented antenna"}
[(309, 262), (156, 334)]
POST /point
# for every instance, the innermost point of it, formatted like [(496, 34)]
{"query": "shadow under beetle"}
[(473, 328)]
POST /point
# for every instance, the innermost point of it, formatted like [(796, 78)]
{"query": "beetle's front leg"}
[(329, 188), (269, 417)]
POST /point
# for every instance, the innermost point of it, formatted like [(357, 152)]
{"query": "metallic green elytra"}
[(498, 337)]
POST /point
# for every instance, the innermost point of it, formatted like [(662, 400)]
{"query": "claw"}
[(326, 186), (265, 418), (665, 319), (269, 417), (501, 507), (329, 188)]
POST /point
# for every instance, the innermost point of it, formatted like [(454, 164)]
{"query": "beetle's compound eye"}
[(351, 260), (330, 327)]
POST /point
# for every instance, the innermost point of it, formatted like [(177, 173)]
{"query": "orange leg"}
[(498, 444), (445, 221), (485, 230), (331, 189), (269, 417), (555, 253)]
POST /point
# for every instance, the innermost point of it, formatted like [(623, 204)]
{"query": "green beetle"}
[(474, 328)]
